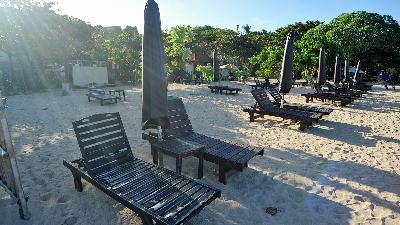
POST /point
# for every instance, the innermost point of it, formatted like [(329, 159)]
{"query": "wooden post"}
[(9, 168)]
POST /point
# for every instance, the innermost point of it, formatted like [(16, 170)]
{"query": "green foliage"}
[(206, 72), (269, 61), (360, 35), (177, 49), (242, 73), (126, 51)]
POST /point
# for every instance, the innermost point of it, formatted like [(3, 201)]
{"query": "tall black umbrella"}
[(155, 105), (337, 76), (215, 65), (287, 65), (346, 70), (322, 67)]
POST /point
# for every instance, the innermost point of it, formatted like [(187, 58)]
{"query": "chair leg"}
[(178, 165), (222, 173), (160, 159), (201, 166), (155, 157), (251, 114), (146, 219), (78, 183), (303, 125)]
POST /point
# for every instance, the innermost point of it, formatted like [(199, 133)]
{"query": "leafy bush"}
[(242, 73), (206, 72)]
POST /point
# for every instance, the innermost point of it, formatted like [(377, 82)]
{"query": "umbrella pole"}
[(282, 100), (160, 154)]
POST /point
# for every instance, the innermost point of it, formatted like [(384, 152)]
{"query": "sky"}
[(259, 14)]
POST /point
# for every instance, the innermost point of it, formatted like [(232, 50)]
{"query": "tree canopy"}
[(33, 35)]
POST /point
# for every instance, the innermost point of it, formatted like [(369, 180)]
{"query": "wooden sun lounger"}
[(278, 98), (102, 97), (343, 91), (343, 101), (257, 84), (220, 89), (158, 195), (227, 155), (265, 107)]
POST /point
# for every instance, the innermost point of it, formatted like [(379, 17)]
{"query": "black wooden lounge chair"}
[(232, 90), (100, 94), (158, 195), (257, 84), (265, 107), (343, 91), (220, 89), (323, 96), (216, 88), (101, 97), (227, 155), (278, 98)]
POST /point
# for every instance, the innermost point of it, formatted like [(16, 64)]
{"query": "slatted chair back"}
[(180, 124), (276, 95), (262, 100), (102, 141)]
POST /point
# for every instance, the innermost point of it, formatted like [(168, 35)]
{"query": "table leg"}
[(201, 166), (160, 159), (178, 165), (155, 156), (123, 93)]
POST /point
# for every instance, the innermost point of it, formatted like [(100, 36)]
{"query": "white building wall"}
[(83, 76)]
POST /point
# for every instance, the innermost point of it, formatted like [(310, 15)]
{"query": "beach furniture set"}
[(157, 195)]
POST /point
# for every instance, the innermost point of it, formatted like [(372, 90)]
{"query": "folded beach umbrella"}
[(357, 77), (346, 71), (337, 76), (322, 67), (286, 80), (215, 65), (155, 105)]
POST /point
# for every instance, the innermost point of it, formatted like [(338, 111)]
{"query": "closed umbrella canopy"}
[(357, 77), (337, 76), (215, 65), (346, 71), (287, 65), (322, 67), (155, 105)]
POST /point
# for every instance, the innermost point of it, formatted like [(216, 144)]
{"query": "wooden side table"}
[(113, 92), (178, 149)]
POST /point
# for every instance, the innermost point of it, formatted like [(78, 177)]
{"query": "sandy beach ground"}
[(344, 170)]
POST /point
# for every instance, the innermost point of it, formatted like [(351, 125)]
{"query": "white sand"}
[(344, 170)]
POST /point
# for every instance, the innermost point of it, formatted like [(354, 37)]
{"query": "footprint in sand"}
[(62, 200), (70, 220), (38, 181), (46, 197)]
